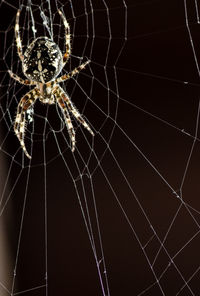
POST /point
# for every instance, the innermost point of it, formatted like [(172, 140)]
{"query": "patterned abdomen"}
[(42, 60)]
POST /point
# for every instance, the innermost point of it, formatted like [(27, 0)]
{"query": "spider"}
[(42, 62)]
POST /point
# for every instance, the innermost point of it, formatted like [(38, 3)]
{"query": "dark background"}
[(145, 183)]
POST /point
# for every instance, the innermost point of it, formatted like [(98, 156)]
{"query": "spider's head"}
[(42, 60)]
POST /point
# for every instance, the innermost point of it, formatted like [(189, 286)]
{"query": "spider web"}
[(120, 215)]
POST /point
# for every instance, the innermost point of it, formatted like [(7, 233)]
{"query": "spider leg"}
[(67, 118), (20, 121), (74, 110), (20, 80), (72, 73), (67, 38), (17, 37)]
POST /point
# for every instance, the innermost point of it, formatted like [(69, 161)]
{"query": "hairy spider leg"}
[(17, 37), (73, 110), (72, 73), (67, 38), (67, 118), (20, 80), (20, 121)]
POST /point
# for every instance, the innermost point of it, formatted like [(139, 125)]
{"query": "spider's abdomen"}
[(42, 60)]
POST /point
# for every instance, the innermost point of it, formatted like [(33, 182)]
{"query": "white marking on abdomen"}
[(41, 77), (39, 66), (39, 54)]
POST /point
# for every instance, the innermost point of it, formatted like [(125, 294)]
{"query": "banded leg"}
[(20, 80), (67, 38), (73, 110), (17, 37), (72, 73), (67, 118), (20, 121)]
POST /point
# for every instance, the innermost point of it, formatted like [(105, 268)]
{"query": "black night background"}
[(146, 180)]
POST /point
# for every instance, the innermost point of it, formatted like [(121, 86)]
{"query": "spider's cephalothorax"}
[(42, 62)]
